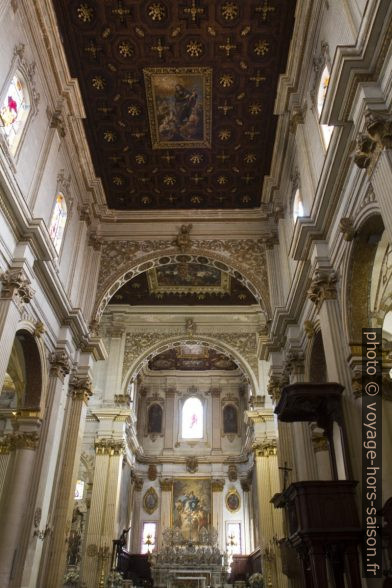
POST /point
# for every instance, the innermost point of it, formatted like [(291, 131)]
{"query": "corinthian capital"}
[(322, 287), (295, 362), (59, 364), (377, 136), (109, 446), (16, 285), (80, 388)]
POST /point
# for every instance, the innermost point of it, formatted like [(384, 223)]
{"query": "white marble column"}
[(166, 506), (247, 515), (15, 503), (61, 510), (16, 291), (5, 450), (381, 181), (323, 294), (169, 420), (27, 563), (114, 362), (216, 420), (136, 515), (274, 274), (103, 510), (217, 511)]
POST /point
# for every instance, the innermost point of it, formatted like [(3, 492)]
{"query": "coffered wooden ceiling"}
[(179, 96)]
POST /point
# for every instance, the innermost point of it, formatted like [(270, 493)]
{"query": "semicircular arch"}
[(120, 274), (174, 341)]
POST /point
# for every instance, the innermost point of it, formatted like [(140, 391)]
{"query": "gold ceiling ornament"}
[(98, 82), (125, 49), (92, 49), (245, 31), (150, 501), (157, 11), (140, 159), (224, 134), (169, 180), (121, 12), (250, 158), (159, 48), (134, 110), (255, 108), (196, 199), (212, 31), (228, 47), (129, 80), (194, 48), (118, 181), (245, 199), (252, 133), (109, 136), (225, 108), (247, 179), (226, 80), (146, 200), (264, 9), (196, 158), (229, 10), (261, 48), (106, 33), (175, 32), (85, 13), (257, 78), (194, 11), (222, 180)]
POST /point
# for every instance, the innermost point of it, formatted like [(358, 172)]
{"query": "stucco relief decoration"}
[(150, 501), (244, 259), (192, 465), (136, 344)]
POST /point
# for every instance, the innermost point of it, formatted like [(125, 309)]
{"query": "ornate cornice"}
[(166, 484), (80, 388), (60, 364), (265, 448), (217, 485), (377, 136), (322, 287), (111, 447), (16, 286)]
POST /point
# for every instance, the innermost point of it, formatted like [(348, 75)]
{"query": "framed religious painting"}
[(191, 507), (179, 106), (233, 500)]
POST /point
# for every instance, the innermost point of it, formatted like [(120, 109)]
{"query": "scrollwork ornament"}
[(16, 286), (322, 287), (60, 364), (80, 388)]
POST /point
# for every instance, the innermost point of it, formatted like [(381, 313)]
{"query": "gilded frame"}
[(150, 500), (233, 492), (192, 480), (202, 76)]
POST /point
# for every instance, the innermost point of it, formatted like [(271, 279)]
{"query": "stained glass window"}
[(13, 112), (192, 419), (322, 92), (57, 223), (149, 537), (79, 490), (298, 207)]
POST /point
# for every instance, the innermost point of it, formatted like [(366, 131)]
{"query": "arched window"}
[(14, 111), (326, 130), (298, 207), (58, 220), (192, 419)]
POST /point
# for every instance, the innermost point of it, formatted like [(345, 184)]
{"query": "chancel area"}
[(195, 293)]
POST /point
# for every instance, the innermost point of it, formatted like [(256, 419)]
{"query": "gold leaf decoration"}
[(250, 158), (98, 82), (224, 134), (109, 136), (255, 108), (140, 159), (226, 80), (117, 181), (261, 48), (169, 180), (229, 10), (222, 180), (85, 13), (196, 158), (194, 48), (156, 11), (125, 49), (134, 110)]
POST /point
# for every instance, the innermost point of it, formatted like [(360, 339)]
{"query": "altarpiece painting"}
[(191, 508)]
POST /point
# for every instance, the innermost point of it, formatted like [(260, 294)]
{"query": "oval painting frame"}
[(150, 501), (233, 500)]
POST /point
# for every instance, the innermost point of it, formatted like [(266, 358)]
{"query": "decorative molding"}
[(244, 259), (232, 473), (60, 364), (322, 287), (346, 226), (109, 446), (217, 485), (152, 472), (191, 464), (80, 388), (166, 484), (16, 286), (377, 136)]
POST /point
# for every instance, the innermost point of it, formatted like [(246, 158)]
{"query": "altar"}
[(183, 563)]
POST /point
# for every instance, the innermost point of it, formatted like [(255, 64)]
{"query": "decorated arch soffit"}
[(244, 259), (240, 347)]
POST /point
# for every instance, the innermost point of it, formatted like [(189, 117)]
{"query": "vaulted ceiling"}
[(179, 96)]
